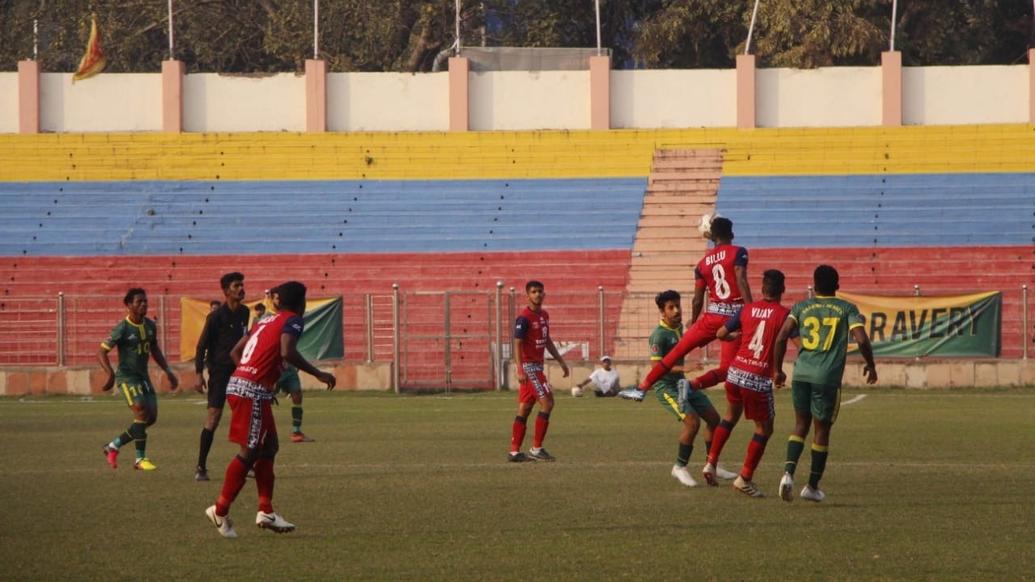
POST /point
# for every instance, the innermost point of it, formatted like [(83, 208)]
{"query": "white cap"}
[(605, 357)]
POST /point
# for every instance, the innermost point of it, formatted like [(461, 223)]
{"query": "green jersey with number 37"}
[(824, 325)]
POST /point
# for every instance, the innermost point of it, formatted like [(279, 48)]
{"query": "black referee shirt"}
[(223, 329)]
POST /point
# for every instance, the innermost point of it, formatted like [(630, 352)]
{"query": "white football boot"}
[(747, 487), (273, 522), (787, 487), (682, 474), (225, 525), (709, 475), (812, 494), (724, 474)]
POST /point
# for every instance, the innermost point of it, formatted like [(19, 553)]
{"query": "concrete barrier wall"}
[(8, 102), (523, 100)]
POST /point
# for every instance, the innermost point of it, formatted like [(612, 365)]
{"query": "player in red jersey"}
[(723, 273), (749, 380), (260, 357), (531, 338)]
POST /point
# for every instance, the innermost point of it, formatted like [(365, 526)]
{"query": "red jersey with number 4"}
[(533, 329), (261, 361), (715, 271), (760, 322)]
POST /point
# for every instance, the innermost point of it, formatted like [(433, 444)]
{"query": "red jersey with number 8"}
[(715, 271), (261, 361)]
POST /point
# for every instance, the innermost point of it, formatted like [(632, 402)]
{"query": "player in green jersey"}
[(136, 338), (824, 324), (672, 390)]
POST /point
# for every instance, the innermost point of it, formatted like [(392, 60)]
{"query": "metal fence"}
[(439, 340)]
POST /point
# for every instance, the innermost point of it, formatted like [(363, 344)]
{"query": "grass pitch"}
[(920, 485)]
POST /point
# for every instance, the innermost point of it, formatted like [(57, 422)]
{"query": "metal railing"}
[(448, 338)]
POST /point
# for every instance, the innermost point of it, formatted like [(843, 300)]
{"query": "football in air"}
[(705, 228)]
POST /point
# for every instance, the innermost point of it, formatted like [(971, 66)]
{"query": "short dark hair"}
[(215, 303), (260, 308), (133, 293), (826, 280), (292, 295), (226, 280), (665, 296), (773, 283), (722, 227), (533, 283)]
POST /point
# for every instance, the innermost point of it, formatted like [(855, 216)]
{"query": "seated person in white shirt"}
[(604, 379)]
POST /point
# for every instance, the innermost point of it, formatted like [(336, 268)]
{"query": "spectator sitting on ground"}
[(604, 379)]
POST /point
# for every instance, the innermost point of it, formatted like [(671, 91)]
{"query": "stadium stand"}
[(88, 214)]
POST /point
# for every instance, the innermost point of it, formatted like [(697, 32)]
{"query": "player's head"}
[(214, 304), (290, 296), (535, 292), (670, 306), (136, 301), (773, 284), (605, 361), (722, 230), (825, 278), (233, 285), (260, 309)]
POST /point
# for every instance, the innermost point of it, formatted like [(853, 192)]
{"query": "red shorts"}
[(535, 387), (758, 406), (251, 421)]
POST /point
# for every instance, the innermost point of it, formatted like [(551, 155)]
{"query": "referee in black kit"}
[(224, 327)]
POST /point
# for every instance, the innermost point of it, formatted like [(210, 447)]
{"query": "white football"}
[(576, 392), (705, 228)]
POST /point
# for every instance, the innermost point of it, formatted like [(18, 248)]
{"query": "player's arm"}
[(238, 350), (521, 325), (289, 351), (201, 351), (780, 350), (741, 274), (556, 355), (697, 303), (159, 358), (866, 350), (731, 329), (102, 357)]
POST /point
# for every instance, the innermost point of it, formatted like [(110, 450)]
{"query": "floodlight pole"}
[(751, 29), (170, 4), (316, 29), (894, 14), (597, 8)]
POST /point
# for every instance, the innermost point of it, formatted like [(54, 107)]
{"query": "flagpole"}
[(751, 29), (35, 39), (894, 14), (170, 30)]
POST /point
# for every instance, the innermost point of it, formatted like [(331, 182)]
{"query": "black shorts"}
[(217, 381)]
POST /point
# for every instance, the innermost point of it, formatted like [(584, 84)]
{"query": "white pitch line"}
[(854, 400)]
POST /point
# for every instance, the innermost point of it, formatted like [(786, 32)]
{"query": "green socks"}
[(683, 456), (795, 446), (296, 418), (819, 463)]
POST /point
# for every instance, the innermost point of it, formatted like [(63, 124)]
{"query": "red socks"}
[(264, 482), (719, 437), (756, 448), (542, 422), (709, 379), (517, 433), (236, 473)]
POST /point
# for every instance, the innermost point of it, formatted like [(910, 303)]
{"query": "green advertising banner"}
[(956, 325)]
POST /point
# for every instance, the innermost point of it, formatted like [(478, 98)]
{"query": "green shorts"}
[(289, 382), (823, 401), (696, 402), (137, 392)]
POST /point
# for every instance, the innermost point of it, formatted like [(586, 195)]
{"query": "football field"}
[(920, 485)]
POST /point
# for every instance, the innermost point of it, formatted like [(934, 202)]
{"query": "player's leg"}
[(148, 407), (131, 392), (526, 400), (266, 518), (760, 408), (728, 351), (721, 433), (801, 398), (245, 430), (826, 403), (544, 396), (292, 385), (668, 397), (217, 381), (699, 334)]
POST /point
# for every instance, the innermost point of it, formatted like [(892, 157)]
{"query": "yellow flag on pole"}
[(93, 60)]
